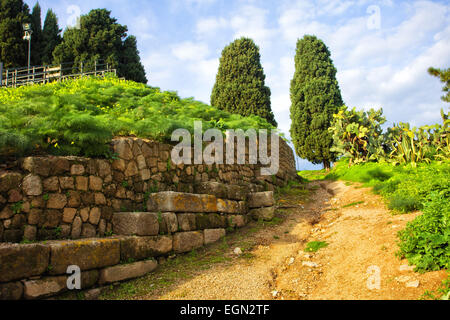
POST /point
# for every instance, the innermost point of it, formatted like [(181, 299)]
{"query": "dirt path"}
[(361, 237)]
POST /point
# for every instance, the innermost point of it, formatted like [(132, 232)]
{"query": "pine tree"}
[(130, 64), (36, 38), (51, 37), (100, 38), (315, 97), (240, 82), (13, 49), (444, 76)]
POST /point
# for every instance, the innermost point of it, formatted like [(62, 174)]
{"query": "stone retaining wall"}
[(41, 270), (51, 198)]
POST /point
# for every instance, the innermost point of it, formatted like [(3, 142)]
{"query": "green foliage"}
[(425, 241), (358, 134), (315, 246), (51, 37), (100, 37), (130, 65), (36, 39), (315, 97), (442, 293), (240, 83), (80, 117), (444, 76), (13, 50)]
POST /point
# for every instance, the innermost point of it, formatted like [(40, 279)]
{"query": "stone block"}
[(135, 223), (87, 254), (213, 235), (228, 206), (187, 241), (126, 271), (168, 223), (219, 190), (181, 202), (32, 185), (266, 214), (18, 261), (187, 222), (140, 248), (237, 221), (11, 291), (261, 199)]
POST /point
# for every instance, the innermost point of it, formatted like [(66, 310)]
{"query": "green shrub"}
[(315, 246), (426, 241), (81, 116), (404, 204)]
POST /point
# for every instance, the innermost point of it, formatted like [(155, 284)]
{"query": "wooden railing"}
[(45, 74)]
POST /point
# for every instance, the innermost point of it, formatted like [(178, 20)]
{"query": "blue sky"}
[(381, 49)]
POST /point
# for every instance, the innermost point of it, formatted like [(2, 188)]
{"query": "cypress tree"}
[(51, 37), (13, 49), (36, 38), (315, 97), (130, 63), (240, 82)]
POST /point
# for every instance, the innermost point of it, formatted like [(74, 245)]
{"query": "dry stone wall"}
[(51, 198), (142, 241), (117, 219)]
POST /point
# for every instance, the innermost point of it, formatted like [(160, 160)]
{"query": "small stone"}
[(95, 183), (88, 231), (32, 185), (69, 214), (237, 251), (51, 184), (66, 183), (30, 233), (92, 294), (84, 214), (291, 261), (77, 170), (310, 264), (413, 284), (14, 196), (56, 201), (100, 199), (76, 228), (94, 216), (82, 183)]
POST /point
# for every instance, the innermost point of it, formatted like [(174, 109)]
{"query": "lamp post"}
[(27, 36)]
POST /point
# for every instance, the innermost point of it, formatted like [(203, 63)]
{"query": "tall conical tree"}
[(240, 83), (51, 37), (130, 65), (315, 97), (36, 38), (13, 49)]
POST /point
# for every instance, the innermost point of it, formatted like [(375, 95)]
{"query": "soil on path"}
[(358, 263)]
